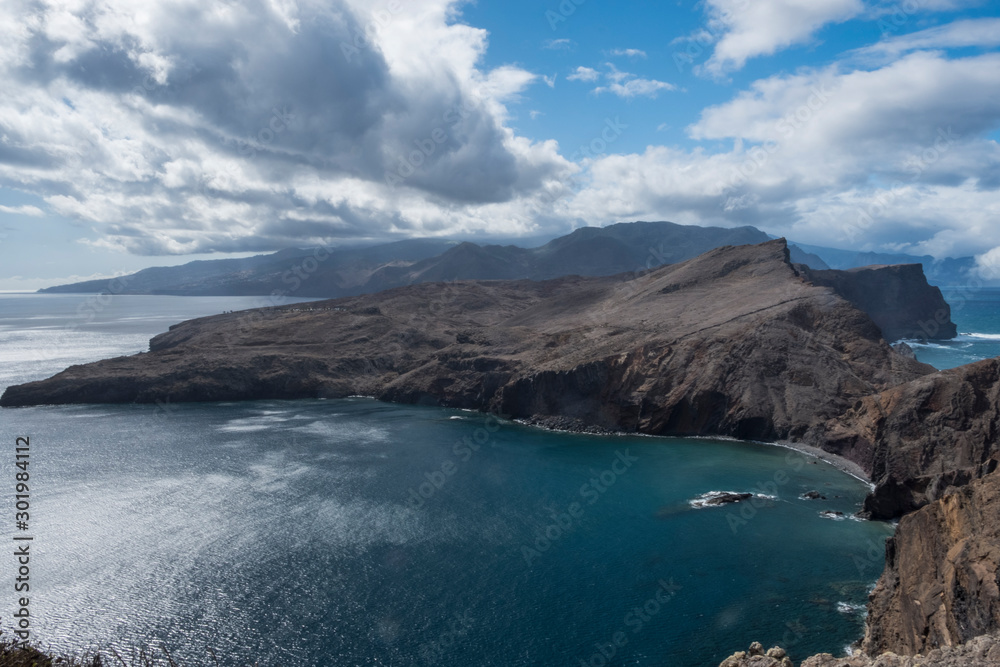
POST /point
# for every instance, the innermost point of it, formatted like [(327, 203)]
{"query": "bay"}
[(353, 532)]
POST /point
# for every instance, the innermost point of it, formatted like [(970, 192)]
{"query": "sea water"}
[(976, 313), (353, 532)]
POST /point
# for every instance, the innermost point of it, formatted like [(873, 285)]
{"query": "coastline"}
[(567, 425)]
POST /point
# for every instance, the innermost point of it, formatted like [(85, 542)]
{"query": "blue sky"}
[(135, 135)]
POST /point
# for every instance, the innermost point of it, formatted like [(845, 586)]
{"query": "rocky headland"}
[(737, 342)]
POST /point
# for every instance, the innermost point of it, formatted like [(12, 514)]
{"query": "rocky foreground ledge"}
[(737, 342)]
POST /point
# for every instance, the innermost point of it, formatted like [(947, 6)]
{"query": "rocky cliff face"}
[(921, 439), (941, 585), (898, 298)]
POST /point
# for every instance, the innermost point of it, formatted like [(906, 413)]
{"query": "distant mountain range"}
[(588, 251)]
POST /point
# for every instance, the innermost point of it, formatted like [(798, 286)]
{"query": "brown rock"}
[(735, 342), (980, 652), (940, 585), (922, 438), (896, 297)]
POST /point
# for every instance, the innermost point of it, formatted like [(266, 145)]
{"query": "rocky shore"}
[(739, 342)]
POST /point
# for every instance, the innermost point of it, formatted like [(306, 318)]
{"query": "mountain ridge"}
[(588, 251)]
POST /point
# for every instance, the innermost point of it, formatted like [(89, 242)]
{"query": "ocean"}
[(354, 532), (976, 313)]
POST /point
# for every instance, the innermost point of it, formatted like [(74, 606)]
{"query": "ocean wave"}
[(976, 337), (851, 608), (720, 498)]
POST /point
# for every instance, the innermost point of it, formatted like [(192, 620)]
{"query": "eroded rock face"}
[(922, 439), (896, 297), (940, 585)]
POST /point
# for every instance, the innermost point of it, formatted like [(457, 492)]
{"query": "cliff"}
[(898, 299), (937, 603), (920, 439), (941, 585)]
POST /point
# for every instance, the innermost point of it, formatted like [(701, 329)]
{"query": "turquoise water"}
[(976, 312), (353, 532)]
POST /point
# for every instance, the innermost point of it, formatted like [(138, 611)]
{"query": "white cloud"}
[(584, 74), (635, 88), (989, 264), (630, 53), (22, 210), (550, 81), (174, 127), (623, 84), (868, 159), (563, 44), (971, 32), (745, 29)]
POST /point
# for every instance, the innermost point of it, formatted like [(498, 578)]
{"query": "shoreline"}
[(843, 464), (566, 425)]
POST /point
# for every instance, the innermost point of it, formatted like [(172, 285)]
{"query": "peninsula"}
[(739, 342)]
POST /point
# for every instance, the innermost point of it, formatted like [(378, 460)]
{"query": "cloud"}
[(550, 81), (178, 128), (584, 74), (630, 53), (968, 33), (989, 264), (744, 30), (899, 154), (623, 84), (22, 210), (635, 88), (563, 44)]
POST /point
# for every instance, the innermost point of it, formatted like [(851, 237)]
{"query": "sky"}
[(155, 132)]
